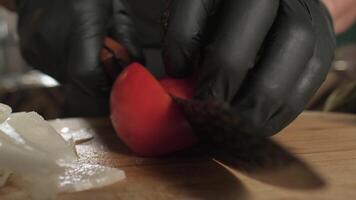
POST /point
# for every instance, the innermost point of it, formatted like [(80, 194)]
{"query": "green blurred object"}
[(348, 37), (338, 93), (343, 97)]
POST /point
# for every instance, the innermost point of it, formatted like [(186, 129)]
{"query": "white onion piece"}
[(5, 112), (4, 175), (22, 161), (42, 162), (33, 169), (80, 176), (41, 135), (37, 187), (78, 137)]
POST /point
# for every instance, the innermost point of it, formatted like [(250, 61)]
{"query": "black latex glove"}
[(64, 38), (264, 57)]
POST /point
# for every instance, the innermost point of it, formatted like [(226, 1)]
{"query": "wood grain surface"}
[(326, 141)]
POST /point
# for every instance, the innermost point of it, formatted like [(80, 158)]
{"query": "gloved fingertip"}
[(139, 57), (204, 92), (176, 72), (176, 66)]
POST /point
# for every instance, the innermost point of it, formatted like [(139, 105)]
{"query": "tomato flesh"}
[(144, 114)]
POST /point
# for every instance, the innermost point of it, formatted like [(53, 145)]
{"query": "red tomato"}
[(111, 50), (182, 88), (144, 115)]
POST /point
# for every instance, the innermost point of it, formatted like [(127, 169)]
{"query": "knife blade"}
[(221, 133)]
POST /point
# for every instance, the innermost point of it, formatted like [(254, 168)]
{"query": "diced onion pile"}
[(41, 162)]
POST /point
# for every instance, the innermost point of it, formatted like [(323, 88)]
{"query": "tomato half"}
[(144, 114)]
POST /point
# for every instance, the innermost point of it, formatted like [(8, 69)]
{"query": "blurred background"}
[(26, 89), (22, 87)]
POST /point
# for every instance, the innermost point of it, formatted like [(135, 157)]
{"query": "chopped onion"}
[(4, 175), (41, 135), (5, 112), (42, 162)]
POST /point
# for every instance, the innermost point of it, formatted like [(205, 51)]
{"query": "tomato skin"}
[(109, 54), (182, 88), (145, 116)]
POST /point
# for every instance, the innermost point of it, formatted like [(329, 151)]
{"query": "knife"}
[(220, 131)]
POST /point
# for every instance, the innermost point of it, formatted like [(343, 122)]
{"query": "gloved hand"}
[(266, 58), (64, 38)]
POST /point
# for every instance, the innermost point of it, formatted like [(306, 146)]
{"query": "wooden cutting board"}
[(326, 141)]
